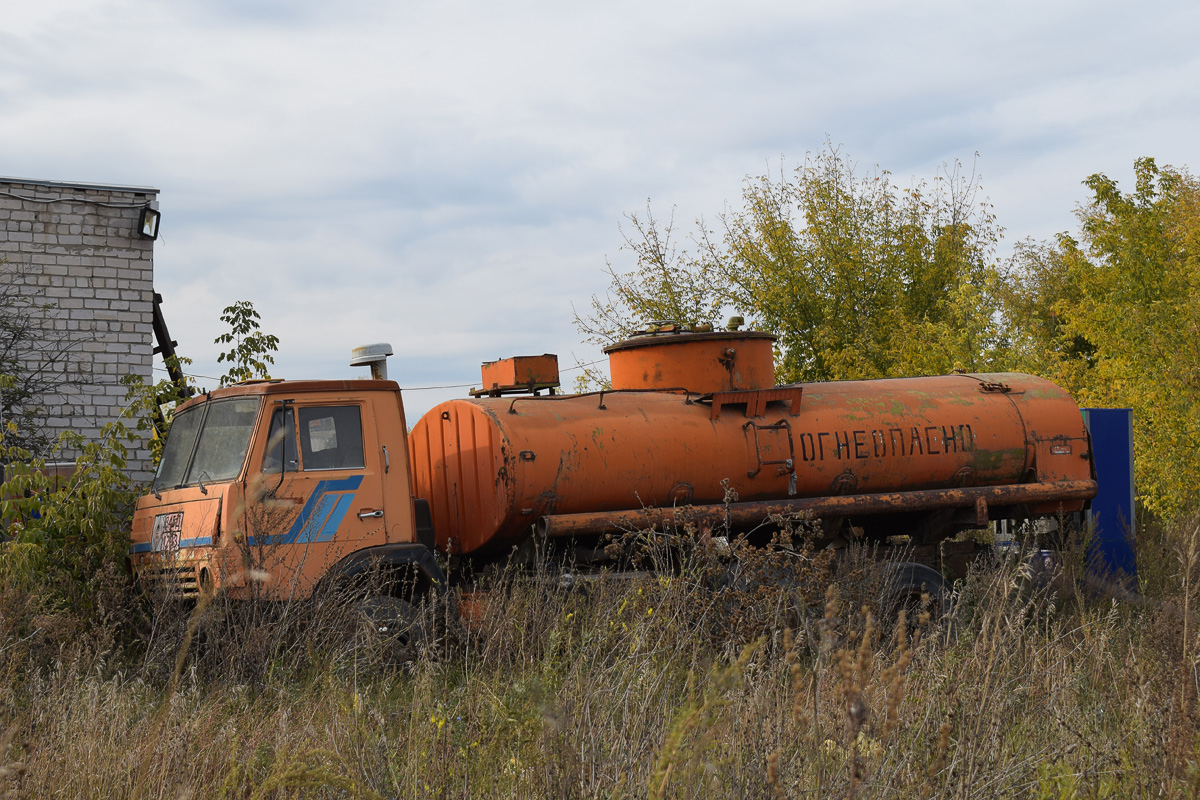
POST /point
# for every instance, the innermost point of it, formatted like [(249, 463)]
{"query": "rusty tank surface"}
[(694, 421)]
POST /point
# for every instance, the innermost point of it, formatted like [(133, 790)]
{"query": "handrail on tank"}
[(687, 400)]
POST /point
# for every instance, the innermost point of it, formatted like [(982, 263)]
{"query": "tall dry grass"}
[(669, 686)]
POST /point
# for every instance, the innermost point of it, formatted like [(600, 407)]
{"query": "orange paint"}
[(700, 362), (492, 467), (518, 374), (276, 534), (694, 419)]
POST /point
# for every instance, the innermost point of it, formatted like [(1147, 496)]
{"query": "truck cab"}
[(267, 488)]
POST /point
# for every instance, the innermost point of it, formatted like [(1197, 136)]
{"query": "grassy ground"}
[(643, 687)]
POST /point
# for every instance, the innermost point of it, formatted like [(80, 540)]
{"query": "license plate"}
[(165, 536)]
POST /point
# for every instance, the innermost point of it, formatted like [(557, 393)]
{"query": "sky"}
[(452, 177)]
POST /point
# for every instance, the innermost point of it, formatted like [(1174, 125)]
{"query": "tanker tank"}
[(694, 420)]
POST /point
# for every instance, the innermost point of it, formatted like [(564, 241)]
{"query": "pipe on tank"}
[(747, 514)]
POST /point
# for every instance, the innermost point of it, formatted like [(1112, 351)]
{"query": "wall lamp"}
[(148, 224)]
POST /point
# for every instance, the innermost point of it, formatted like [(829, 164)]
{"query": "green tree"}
[(857, 277), (65, 539), (252, 349), (666, 284), (1114, 316)]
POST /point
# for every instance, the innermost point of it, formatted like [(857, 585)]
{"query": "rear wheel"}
[(915, 588)]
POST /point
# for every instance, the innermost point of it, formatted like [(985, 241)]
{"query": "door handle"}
[(365, 514)]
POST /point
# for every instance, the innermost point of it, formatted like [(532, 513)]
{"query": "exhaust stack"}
[(373, 356)]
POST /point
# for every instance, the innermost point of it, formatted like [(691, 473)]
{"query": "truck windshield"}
[(207, 443)]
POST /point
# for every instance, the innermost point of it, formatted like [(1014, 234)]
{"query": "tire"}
[(395, 624), (904, 585)]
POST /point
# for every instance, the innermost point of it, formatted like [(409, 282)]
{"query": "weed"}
[(618, 685)]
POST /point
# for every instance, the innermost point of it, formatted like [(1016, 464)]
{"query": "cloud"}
[(450, 176)]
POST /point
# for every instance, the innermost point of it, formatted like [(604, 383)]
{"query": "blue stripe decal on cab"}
[(199, 541), (318, 514), (335, 519), (316, 521)]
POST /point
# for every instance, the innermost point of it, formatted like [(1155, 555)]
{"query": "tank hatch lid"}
[(679, 334)]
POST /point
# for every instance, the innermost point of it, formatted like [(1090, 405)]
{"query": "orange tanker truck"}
[(277, 485)]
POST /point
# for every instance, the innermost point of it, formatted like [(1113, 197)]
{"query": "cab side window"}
[(331, 437), (281, 442)]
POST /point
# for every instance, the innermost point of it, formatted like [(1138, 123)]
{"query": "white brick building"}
[(81, 245)]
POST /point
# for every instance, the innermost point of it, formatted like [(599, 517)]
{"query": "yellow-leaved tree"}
[(1114, 316), (858, 277), (862, 279)]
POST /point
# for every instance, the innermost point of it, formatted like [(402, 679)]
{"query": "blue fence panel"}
[(1111, 516)]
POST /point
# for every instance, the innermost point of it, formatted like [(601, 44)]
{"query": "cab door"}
[(327, 499)]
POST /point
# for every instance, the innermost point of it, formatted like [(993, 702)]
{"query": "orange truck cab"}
[(266, 488)]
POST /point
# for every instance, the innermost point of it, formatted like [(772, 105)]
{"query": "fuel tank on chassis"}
[(491, 467)]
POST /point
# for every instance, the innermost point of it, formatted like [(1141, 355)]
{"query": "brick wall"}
[(79, 245)]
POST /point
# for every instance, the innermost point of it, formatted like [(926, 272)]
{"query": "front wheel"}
[(398, 625)]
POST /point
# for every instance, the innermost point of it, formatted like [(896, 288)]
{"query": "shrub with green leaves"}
[(66, 536)]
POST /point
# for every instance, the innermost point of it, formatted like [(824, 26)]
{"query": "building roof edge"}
[(108, 187)]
